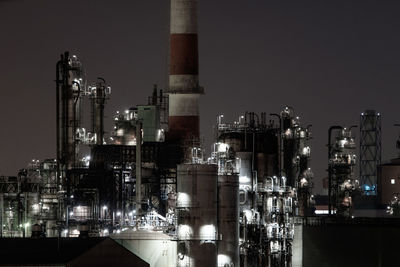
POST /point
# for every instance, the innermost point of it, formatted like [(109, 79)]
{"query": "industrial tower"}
[(370, 150)]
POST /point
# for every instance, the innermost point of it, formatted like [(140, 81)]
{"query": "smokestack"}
[(184, 90)]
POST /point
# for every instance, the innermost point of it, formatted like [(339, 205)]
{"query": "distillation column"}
[(69, 91), (184, 89), (69, 95), (98, 94)]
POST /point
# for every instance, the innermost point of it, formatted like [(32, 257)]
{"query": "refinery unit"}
[(150, 185)]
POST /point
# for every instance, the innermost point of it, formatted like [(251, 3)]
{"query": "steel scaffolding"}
[(370, 150)]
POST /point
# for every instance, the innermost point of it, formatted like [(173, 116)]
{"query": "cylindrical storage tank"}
[(197, 214), (228, 220)]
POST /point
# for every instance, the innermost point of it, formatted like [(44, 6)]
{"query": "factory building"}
[(150, 187), (148, 184), (389, 181)]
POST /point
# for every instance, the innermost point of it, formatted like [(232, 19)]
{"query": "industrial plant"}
[(150, 185)]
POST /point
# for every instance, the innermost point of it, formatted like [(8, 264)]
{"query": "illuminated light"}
[(105, 231), (72, 196), (224, 260), (104, 207), (319, 212), (342, 143), (118, 213), (288, 132), (65, 231), (222, 147), (118, 231), (71, 214), (132, 142), (181, 256), (248, 214), (185, 231), (303, 182), (207, 232), (78, 208), (244, 180), (306, 151), (392, 181), (130, 214), (183, 199)]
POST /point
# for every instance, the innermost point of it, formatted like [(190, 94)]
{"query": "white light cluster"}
[(208, 232)]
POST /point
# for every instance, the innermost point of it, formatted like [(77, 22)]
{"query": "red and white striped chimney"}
[(184, 90)]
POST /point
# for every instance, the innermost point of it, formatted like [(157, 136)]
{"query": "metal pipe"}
[(58, 120)]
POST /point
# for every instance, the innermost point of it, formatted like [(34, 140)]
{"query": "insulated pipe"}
[(184, 89)]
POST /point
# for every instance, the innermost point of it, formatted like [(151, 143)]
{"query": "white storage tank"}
[(197, 214)]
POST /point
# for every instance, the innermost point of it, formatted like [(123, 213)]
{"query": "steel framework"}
[(370, 150)]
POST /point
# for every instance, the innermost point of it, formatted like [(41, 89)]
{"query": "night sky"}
[(330, 60)]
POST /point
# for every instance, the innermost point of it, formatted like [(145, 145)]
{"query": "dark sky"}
[(330, 60)]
